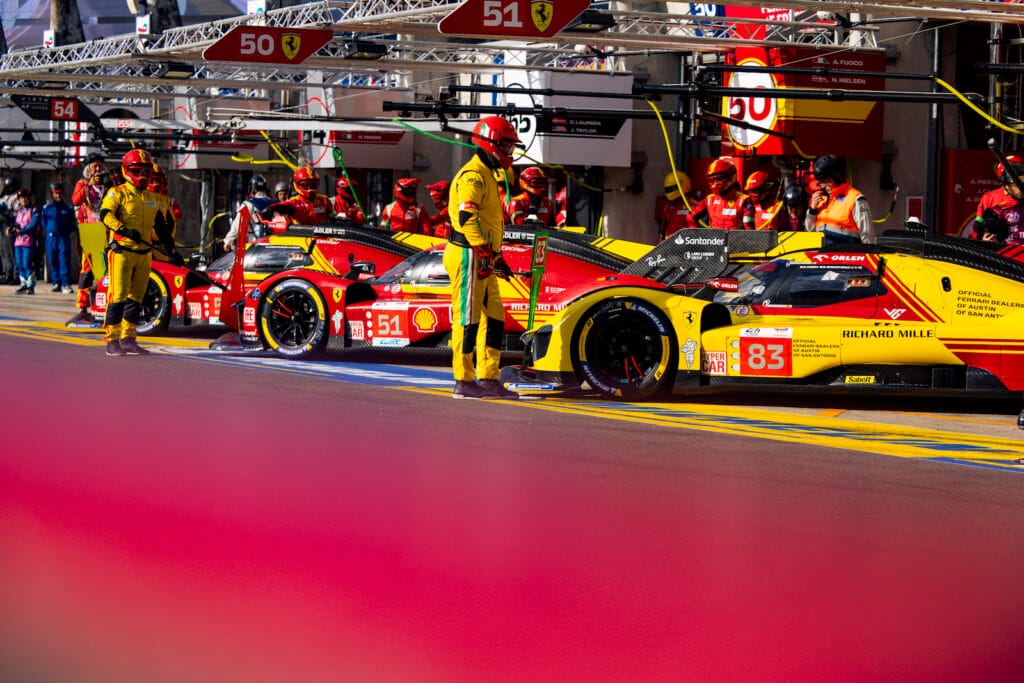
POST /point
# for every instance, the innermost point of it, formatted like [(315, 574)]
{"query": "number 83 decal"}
[(764, 356)]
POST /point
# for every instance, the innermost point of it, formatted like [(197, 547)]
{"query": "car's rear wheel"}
[(625, 348), (293, 319), (156, 307)]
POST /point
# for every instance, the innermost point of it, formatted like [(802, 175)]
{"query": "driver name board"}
[(512, 18)]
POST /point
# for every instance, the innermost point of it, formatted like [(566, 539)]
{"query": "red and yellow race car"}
[(301, 312), (181, 295), (916, 312)]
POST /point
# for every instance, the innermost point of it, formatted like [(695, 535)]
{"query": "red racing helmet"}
[(721, 175), (306, 181), (137, 167), (158, 180), (497, 138), (534, 180), (1017, 162), (405, 189), (439, 192), (343, 187)]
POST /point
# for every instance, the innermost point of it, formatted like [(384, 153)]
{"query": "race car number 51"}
[(772, 357)]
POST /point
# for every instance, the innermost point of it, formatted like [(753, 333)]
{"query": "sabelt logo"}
[(838, 258), (859, 379)]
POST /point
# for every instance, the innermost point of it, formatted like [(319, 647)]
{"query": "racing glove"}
[(501, 268), (130, 233), (486, 261)]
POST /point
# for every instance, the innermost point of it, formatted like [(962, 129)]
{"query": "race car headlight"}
[(541, 341)]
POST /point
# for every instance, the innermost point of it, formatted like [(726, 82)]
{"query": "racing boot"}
[(469, 390), (132, 348), (114, 348), (496, 390)]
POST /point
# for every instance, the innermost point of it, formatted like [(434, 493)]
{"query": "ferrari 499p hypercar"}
[(297, 313), (916, 313), (183, 296)]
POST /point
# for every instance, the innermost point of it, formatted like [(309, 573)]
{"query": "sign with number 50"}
[(512, 18)]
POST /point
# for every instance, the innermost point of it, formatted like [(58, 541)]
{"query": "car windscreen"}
[(754, 282), (411, 269), (271, 258)]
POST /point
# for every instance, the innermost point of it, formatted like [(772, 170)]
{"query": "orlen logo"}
[(838, 258)]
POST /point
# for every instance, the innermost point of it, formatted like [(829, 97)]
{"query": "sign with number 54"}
[(512, 18)]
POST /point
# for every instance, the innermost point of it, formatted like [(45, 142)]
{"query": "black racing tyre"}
[(293, 319), (625, 348), (156, 307)]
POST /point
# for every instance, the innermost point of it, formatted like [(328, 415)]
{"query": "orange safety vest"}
[(837, 216)]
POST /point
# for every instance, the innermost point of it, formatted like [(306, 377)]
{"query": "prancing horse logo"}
[(541, 12), (290, 45)]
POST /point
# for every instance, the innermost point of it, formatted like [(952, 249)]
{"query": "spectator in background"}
[(794, 208), (763, 192), (26, 231), (9, 204), (250, 213), (346, 208), (59, 223), (672, 210), (1001, 211), (726, 208), (405, 214), (440, 223), (836, 207), (533, 203)]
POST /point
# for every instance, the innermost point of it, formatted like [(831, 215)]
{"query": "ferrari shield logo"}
[(336, 294), (290, 44), (541, 12), (178, 281)]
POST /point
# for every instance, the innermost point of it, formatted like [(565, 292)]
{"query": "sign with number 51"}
[(512, 18)]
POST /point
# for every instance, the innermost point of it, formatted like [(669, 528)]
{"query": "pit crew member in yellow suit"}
[(471, 256), (136, 219)]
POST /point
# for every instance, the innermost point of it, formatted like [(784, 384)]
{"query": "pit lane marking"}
[(906, 442)]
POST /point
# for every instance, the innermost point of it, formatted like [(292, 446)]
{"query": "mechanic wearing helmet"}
[(59, 223), (533, 202), (158, 184), (346, 208), (672, 209), (89, 192), (249, 214), (794, 213), (471, 256), (25, 231), (307, 207), (405, 214), (763, 192), (726, 208), (281, 191), (136, 219), (1001, 211), (836, 208), (440, 223)]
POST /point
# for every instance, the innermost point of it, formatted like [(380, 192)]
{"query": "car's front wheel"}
[(293, 319), (625, 348), (156, 307)]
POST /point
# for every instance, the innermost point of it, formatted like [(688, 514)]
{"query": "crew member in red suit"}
[(307, 206), (726, 208), (86, 198), (1001, 211), (672, 211), (345, 205), (158, 184), (763, 193), (440, 223), (405, 214), (533, 202), (561, 215)]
